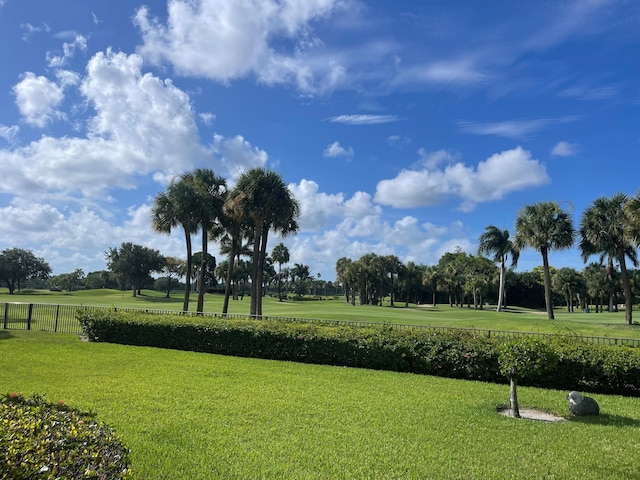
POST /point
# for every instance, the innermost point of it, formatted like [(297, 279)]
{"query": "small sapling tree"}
[(524, 358)]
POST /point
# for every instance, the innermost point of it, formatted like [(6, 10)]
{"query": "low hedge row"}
[(40, 440), (580, 366)]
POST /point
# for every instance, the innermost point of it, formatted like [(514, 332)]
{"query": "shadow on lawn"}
[(153, 299), (608, 420), (5, 334)]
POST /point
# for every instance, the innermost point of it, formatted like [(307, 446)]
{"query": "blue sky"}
[(402, 127)]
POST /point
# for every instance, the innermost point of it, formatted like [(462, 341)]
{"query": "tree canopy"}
[(18, 266), (133, 264)]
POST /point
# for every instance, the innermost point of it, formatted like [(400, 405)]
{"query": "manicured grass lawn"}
[(517, 319), (187, 415)]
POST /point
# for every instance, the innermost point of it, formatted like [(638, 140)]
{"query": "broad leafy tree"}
[(261, 199), (133, 264), (18, 266), (496, 244), (68, 281), (173, 269), (544, 227), (605, 230)]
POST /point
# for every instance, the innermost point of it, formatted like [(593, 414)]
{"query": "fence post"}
[(55, 328), (29, 316), (6, 315)]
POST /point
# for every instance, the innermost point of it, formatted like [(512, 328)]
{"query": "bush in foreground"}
[(580, 366), (40, 440)]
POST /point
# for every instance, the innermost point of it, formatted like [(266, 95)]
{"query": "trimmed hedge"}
[(40, 440), (580, 366)]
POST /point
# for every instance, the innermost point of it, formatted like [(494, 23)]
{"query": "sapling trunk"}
[(513, 397)]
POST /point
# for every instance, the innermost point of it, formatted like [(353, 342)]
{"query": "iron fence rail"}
[(62, 319)]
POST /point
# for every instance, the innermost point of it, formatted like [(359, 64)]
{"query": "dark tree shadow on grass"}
[(607, 420), (5, 335)]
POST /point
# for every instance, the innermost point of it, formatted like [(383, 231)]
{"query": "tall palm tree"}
[(176, 207), (431, 277), (263, 200), (210, 192), (232, 244), (606, 229), (343, 275), (495, 243), (280, 255), (300, 274), (544, 226)]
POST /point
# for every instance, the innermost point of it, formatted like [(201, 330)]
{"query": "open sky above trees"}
[(402, 128)]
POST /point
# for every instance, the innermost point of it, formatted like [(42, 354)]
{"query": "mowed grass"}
[(516, 319), (188, 415)]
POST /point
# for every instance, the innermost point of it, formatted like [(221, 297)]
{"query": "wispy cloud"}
[(30, 30), (9, 133), (584, 93), (364, 119), (516, 129)]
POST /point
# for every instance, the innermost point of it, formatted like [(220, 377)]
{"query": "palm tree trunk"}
[(263, 256), (187, 281), (227, 287), (547, 283), (626, 286), (201, 273), (257, 235), (501, 291)]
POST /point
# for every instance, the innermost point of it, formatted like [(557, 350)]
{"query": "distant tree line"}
[(241, 219)]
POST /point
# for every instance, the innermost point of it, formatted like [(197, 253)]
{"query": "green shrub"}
[(576, 365), (40, 440)]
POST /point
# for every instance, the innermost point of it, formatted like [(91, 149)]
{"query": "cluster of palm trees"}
[(609, 227), (373, 277), (200, 201)]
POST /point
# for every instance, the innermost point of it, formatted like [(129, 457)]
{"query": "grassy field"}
[(516, 319), (192, 416)]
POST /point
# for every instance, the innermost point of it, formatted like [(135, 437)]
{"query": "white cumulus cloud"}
[(336, 150), (563, 149), (492, 179), (37, 98), (225, 39)]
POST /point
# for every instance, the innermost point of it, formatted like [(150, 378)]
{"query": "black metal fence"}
[(62, 319)]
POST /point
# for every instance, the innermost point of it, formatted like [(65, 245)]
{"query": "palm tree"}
[(568, 281), (263, 200), (544, 226), (300, 274), (342, 267), (606, 229), (176, 206), (210, 192), (280, 255), (431, 278), (232, 245), (496, 242)]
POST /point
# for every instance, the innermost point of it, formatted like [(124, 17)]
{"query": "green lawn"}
[(602, 324), (192, 416)]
